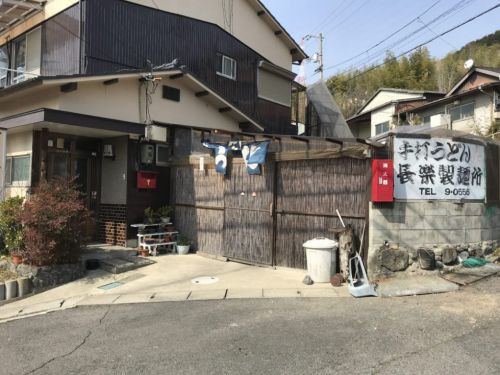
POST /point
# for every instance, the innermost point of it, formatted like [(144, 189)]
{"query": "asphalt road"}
[(457, 333)]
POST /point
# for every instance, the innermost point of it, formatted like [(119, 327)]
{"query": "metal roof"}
[(15, 11)]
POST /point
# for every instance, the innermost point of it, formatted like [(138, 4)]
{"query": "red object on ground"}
[(382, 180), (147, 180), (17, 259)]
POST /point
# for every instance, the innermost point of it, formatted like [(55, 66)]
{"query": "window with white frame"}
[(382, 128), (462, 112), (227, 67), (25, 57), (17, 170)]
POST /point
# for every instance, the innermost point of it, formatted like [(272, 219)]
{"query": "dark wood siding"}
[(138, 200), (61, 43), (121, 35)]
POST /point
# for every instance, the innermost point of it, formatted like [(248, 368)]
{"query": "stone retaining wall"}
[(47, 276), (437, 224)]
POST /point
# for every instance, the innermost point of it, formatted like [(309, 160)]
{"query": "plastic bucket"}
[(321, 254)]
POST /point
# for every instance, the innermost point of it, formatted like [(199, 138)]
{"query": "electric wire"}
[(428, 41), (409, 41), (407, 38), (337, 25), (387, 37)]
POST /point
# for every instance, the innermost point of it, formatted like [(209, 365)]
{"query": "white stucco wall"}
[(382, 115), (122, 101), (479, 124)]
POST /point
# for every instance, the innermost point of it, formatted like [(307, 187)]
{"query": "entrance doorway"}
[(76, 158)]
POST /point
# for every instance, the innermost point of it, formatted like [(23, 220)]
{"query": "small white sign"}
[(438, 168)]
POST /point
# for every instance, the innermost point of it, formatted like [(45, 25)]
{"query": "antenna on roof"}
[(469, 64)]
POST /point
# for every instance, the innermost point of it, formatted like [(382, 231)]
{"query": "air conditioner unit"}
[(441, 120)]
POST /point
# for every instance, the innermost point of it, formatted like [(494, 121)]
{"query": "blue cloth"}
[(220, 154)]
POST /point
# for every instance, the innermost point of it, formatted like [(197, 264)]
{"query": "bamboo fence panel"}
[(248, 224), (308, 194)]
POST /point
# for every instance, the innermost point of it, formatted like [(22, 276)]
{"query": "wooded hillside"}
[(418, 71)]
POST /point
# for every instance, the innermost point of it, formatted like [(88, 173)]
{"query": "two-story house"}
[(102, 90), (471, 106), (379, 113)]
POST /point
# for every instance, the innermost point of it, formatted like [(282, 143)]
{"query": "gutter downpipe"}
[(3, 162)]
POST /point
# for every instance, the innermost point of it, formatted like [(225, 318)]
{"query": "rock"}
[(410, 261), (463, 255), (438, 251), (413, 254), (439, 265), (394, 260), (307, 280), (426, 258), (337, 279), (438, 258), (414, 267), (449, 255)]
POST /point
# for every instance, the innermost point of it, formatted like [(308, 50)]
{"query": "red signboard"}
[(382, 181), (147, 180)]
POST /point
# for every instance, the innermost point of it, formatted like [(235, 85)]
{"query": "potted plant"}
[(11, 228), (183, 245), (149, 216), (164, 213)]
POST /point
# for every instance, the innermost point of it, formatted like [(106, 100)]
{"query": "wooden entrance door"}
[(248, 216)]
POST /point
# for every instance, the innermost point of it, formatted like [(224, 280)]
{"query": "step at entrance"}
[(124, 264)]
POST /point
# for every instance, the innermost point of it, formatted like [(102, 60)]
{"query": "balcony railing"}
[(14, 11)]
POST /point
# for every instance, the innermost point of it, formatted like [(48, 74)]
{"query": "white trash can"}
[(321, 256)]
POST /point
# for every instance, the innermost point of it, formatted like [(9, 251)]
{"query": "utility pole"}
[(319, 56)]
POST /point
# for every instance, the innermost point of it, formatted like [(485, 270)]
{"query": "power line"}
[(336, 26), (428, 41), (387, 37), (332, 13), (409, 37), (409, 40)]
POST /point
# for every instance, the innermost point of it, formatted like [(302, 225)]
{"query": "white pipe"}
[(3, 162)]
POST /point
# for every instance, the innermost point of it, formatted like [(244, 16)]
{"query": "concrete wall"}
[(415, 224), (247, 26), (114, 173)]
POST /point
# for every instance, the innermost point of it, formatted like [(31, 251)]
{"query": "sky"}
[(356, 27)]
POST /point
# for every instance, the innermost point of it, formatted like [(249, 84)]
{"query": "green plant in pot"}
[(164, 213), (183, 245), (150, 216), (11, 228)]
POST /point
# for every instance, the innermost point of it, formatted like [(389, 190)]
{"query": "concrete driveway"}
[(171, 279)]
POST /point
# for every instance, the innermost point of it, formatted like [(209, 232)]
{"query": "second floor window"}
[(226, 67), (382, 128), (462, 112)]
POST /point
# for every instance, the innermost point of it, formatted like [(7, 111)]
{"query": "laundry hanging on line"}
[(254, 154), (220, 154)]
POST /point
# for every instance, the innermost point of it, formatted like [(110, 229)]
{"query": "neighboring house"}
[(471, 106), (379, 114), (82, 81)]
